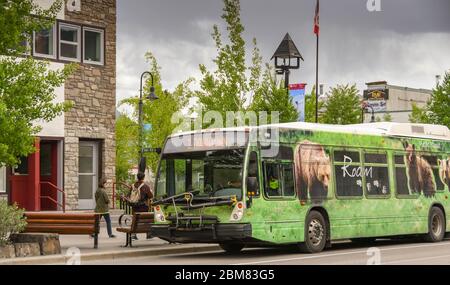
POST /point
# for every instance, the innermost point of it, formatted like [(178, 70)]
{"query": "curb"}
[(110, 255)]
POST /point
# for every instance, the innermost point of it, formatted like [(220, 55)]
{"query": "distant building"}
[(78, 147), (394, 100)]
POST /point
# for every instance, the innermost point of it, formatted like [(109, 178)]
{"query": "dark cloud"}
[(406, 43)]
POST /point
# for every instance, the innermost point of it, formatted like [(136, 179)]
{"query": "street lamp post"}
[(287, 57), (365, 109), (152, 97)]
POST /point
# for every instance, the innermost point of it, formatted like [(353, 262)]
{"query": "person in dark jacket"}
[(146, 194), (102, 205)]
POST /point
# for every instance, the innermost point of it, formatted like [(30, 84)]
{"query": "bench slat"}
[(60, 229), (58, 216), (68, 222)]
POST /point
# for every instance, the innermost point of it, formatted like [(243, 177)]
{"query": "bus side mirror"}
[(252, 186)]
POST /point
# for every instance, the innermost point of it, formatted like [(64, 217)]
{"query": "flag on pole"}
[(316, 20)]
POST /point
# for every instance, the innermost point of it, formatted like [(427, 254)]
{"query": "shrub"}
[(12, 221)]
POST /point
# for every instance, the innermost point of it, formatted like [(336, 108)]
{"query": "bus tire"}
[(232, 248), (315, 233), (436, 225)]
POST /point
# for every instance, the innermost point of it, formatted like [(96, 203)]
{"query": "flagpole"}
[(317, 31), (317, 77)]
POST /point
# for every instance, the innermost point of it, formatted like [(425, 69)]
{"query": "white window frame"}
[(77, 43), (2, 180), (54, 45), (102, 45)]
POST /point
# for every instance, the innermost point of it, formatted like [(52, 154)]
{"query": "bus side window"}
[(288, 180), (272, 180), (401, 177), (253, 170), (279, 180), (434, 160), (377, 174)]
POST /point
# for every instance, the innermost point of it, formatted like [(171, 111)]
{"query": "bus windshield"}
[(214, 173)]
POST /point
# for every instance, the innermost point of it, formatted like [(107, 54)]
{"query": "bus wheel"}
[(436, 225), (232, 248), (315, 233)]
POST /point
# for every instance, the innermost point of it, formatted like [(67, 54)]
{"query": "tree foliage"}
[(310, 107), (159, 113), (343, 106), (271, 96), (127, 148), (235, 86), (12, 221), (18, 20), (437, 110), (27, 86)]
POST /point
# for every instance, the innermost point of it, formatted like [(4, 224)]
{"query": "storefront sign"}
[(376, 94)]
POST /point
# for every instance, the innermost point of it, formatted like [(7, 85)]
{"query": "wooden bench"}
[(64, 224), (140, 224)]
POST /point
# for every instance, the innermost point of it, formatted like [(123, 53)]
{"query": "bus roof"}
[(436, 132)]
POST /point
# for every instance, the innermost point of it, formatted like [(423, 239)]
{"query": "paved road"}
[(386, 252)]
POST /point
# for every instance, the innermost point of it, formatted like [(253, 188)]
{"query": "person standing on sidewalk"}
[(102, 205), (140, 197), (144, 195)]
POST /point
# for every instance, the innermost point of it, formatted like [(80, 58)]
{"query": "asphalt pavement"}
[(384, 252)]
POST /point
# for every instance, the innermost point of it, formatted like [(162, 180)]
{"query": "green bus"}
[(303, 184)]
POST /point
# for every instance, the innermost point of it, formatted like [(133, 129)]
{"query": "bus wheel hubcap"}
[(436, 225), (315, 232)]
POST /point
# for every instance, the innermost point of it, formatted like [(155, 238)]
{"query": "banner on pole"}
[(297, 92)]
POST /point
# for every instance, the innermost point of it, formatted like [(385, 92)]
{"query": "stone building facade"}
[(76, 149), (93, 90)]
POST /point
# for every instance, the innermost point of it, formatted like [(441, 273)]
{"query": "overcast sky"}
[(406, 44)]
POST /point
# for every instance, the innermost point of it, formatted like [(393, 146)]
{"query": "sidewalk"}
[(73, 246)]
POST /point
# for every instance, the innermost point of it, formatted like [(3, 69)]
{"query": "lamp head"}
[(152, 96)]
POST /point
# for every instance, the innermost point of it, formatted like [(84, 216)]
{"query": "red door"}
[(25, 186), (49, 175)]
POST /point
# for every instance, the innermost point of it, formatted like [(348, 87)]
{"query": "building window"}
[(69, 42), (22, 168), (2, 180), (45, 43), (93, 46), (25, 43)]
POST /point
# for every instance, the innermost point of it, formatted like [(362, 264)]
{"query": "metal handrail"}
[(123, 203), (63, 204)]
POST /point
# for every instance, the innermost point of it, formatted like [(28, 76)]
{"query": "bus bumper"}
[(207, 234)]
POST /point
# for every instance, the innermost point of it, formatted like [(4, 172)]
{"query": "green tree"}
[(227, 88), (159, 113), (310, 107), (271, 96), (127, 146), (18, 20), (418, 115), (438, 107), (387, 117), (437, 110), (342, 106), (26, 85)]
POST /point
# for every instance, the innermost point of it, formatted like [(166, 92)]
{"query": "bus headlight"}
[(159, 215), (238, 212)]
